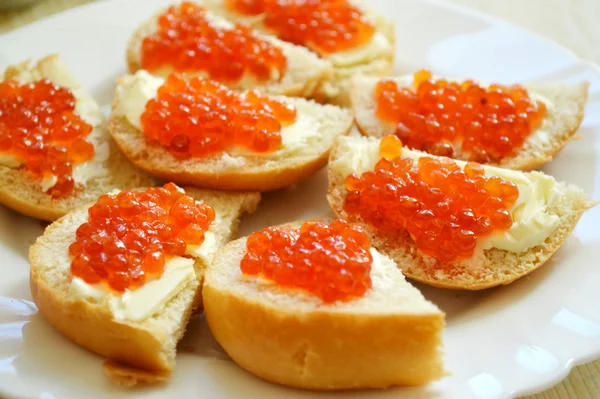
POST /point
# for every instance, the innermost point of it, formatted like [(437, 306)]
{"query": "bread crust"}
[(564, 121), (247, 173), (493, 268), (319, 348), (20, 191), (305, 72), (138, 351)]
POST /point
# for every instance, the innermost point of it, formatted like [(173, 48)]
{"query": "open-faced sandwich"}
[(198, 132), (186, 38), (450, 223), (315, 306), (122, 277), (55, 150), (515, 127)]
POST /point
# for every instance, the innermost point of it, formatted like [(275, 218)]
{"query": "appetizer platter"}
[(259, 198)]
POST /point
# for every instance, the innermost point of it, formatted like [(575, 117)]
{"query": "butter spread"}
[(376, 47), (532, 220), (143, 302), (136, 90)]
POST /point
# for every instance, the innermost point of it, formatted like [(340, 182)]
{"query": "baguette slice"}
[(390, 336), (109, 169), (377, 62), (565, 113), (305, 71), (487, 268), (281, 168), (138, 351)]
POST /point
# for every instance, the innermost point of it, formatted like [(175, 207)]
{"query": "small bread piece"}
[(565, 104), (377, 61), (390, 336), (488, 267), (283, 167), (107, 171), (138, 351), (304, 72)]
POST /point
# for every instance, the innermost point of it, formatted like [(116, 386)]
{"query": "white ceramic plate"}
[(499, 343)]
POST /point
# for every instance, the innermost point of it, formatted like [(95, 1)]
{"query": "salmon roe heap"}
[(444, 208), (332, 262), (324, 26), (187, 40), (129, 236), (444, 118), (39, 127), (198, 117)]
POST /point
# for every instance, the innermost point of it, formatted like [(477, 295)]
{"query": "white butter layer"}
[(136, 90), (532, 221), (143, 302), (376, 47)]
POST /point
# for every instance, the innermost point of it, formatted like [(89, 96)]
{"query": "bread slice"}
[(138, 351), (337, 89), (109, 170), (565, 104), (305, 71), (281, 168), (487, 268), (390, 336)]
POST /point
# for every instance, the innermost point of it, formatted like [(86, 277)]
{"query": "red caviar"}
[(197, 117), (188, 41), (444, 209), (324, 26), (332, 261), (39, 127), (129, 236), (448, 118)]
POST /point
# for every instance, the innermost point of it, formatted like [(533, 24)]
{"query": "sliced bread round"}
[(304, 72), (138, 351), (283, 167), (107, 171), (565, 104), (390, 336), (487, 269)]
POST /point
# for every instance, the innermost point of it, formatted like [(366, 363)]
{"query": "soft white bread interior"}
[(565, 105), (138, 351), (107, 171), (390, 336), (304, 72), (376, 59), (488, 267), (305, 149)]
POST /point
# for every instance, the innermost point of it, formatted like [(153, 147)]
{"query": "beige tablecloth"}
[(572, 23)]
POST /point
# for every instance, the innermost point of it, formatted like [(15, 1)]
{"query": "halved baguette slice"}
[(488, 267), (374, 59), (302, 153), (390, 336), (137, 351), (565, 105), (107, 171), (304, 72)]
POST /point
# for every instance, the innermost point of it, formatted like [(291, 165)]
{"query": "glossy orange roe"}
[(324, 26), (332, 262), (187, 41), (39, 127), (129, 236), (198, 117), (444, 118), (445, 209)]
